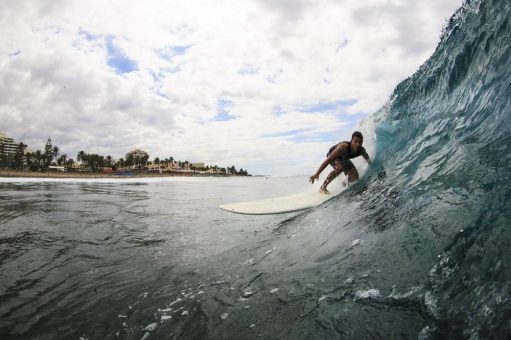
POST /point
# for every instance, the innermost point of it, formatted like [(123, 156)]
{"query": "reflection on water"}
[(79, 257)]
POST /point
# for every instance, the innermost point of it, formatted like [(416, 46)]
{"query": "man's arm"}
[(366, 157), (338, 152)]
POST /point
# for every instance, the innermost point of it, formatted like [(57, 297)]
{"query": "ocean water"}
[(102, 258), (419, 247)]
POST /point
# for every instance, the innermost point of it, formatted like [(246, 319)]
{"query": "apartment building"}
[(7, 146)]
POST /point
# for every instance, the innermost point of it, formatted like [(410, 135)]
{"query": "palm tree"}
[(121, 163), (39, 156), (20, 155), (130, 160), (70, 163), (80, 156), (62, 160), (55, 153), (144, 159)]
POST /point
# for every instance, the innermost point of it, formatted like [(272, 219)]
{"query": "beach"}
[(74, 174)]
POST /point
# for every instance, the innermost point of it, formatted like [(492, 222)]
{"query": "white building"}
[(7, 146)]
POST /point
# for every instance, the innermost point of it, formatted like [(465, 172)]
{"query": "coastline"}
[(54, 174)]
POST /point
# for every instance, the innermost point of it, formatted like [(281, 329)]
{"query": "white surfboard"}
[(283, 204)]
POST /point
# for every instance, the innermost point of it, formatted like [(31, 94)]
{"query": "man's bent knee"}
[(352, 178), (352, 175)]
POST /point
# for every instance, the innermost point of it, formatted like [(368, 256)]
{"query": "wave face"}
[(444, 208), (419, 247)]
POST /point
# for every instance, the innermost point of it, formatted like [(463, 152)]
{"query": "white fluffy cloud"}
[(264, 85)]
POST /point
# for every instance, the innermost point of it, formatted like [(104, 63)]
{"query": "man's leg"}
[(352, 173), (338, 168)]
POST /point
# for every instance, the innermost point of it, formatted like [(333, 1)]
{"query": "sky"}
[(265, 85)]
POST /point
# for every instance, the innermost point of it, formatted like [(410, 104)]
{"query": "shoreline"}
[(54, 174)]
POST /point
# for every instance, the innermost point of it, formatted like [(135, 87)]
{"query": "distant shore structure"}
[(17, 156), (7, 145), (137, 153)]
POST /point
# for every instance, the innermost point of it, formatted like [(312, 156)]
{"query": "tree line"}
[(42, 160)]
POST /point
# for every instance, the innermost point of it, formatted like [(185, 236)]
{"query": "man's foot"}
[(324, 191)]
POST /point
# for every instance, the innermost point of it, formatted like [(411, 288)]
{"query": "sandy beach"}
[(55, 174)]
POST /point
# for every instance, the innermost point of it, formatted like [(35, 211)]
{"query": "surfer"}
[(339, 157)]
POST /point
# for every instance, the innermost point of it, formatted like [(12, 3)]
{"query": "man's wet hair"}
[(357, 134)]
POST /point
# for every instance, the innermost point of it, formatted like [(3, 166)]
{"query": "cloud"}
[(263, 85)]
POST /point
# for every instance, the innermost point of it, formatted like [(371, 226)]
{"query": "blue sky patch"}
[(89, 36), (315, 137), (169, 52), (118, 59), (289, 133), (222, 111), (306, 135), (338, 105), (158, 84), (352, 118)]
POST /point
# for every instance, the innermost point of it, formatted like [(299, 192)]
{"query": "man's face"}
[(356, 143)]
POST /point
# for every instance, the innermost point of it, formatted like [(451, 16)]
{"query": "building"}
[(198, 166), (8, 149), (136, 159), (7, 146), (137, 153), (163, 166)]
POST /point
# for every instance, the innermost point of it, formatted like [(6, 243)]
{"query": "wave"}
[(418, 247), (439, 193)]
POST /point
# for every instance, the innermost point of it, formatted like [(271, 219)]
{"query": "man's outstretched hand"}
[(313, 178)]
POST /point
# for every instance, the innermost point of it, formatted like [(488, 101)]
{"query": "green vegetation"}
[(50, 158)]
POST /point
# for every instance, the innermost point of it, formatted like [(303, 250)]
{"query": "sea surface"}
[(418, 248), (101, 258)]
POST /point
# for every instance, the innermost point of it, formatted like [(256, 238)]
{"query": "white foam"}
[(365, 294), (355, 242), (151, 327), (248, 293), (224, 316), (431, 303), (176, 301), (274, 290)]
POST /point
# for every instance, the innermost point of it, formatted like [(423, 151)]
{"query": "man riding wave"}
[(339, 157)]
